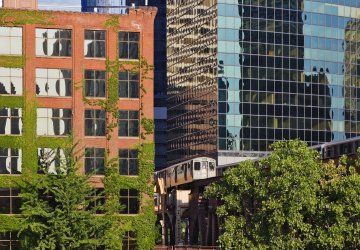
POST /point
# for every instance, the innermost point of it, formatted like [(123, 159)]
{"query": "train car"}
[(331, 150), (188, 171)]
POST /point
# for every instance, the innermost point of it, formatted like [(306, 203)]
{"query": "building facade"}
[(160, 112), (20, 4), (57, 69), (243, 74)]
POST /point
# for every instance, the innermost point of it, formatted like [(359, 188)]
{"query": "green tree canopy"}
[(290, 200), (57, 209)]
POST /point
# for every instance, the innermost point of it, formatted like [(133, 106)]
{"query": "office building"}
[(243, 74), (53, 80), (160, 114)]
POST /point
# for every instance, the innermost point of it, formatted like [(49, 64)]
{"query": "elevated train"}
[(187, 171)]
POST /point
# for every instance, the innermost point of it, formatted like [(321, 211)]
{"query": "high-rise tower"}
[(243, 74)]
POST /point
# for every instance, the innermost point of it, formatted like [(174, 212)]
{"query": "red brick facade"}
[(20, 4), (138, 20)]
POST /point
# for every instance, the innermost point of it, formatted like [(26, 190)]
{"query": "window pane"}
[(133, 50)]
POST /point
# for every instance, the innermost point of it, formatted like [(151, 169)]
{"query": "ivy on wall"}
[(143, 223)]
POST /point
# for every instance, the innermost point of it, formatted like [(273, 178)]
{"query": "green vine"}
[(12, 17), (12, 61)]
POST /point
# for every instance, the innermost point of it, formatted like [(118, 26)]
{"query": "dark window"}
[(129, 45), (94, 43), (10, 161), (53, 42), (197, 166), (129, 241), (95, 83), (129, 199), (94, 161), (9, 241), (128, 84), (10, 121), (128, 123), (97, 200), (128, 161), (94, 122), (11, 81), (10, 202)]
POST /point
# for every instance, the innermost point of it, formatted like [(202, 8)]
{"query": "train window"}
[(211, 166), (197, 166)]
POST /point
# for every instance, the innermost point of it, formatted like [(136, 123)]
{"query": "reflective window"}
[(10, 203), (53, 82), (128, 161), (11, 41), (9, 240), (128, 84), (11, 81), (10, 121), (54, 121), (95, 83), (129, 241), (53, 42), (97, 200), (94, 161), (94, 44), (95, 122), (129, 45), (128, 123), (10, 161), (51, 160), (129, 200)]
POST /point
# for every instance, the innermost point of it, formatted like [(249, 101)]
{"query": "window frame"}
[(127, 198), (94, 157), (128, 42), (128, 82), (10, 156), (12, 196), (12, 119), (11, 238), (96, 199), (128, 159), (94, 121), (95, 44), (129, 236), (68, 81), (11, 39), (59, 118), (54, 157), (128, 120), (11, 78), (57, 40), (94, 82)]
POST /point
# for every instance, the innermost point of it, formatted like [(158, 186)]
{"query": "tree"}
[(290, 200), (57, 208)]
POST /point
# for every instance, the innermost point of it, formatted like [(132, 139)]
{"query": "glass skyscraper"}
[(245, 73)]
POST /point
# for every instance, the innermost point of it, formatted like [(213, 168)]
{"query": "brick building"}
[(55, 67), (19, 4)]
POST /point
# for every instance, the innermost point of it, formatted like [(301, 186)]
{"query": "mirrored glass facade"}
[(285, 70)]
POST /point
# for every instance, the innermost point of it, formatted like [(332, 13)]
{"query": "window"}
[(129, 199), (128, 123), (128, 162), (95, 122), (11, 41), (53, 42), (53, 121), (9, 240), (10, 121), (10, 203), (129, 241), (10, 161), (11, 81), (53, 82), (129, 45), (128, 84), (94, 44), (97, 200), (51, 160), (94, 161), (95, 83)]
